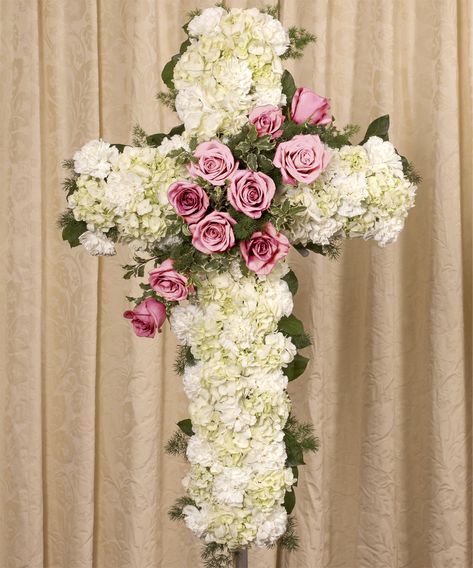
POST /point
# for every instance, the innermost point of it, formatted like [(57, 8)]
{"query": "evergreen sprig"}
[(177, 444), (175, 512), (139, 136), (270, 10), (289, 540), (68, 164), (299, 39), (69, 185), (303, 433), (168, 98), (216, 555), (184, 358)]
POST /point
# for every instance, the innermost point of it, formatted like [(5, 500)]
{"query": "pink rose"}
[(213, 233), (264, 249), (310, 107), (147, 317), (216, 162), (267, 119), (251, 192), (168, 283), (302, 159), (189, 200)]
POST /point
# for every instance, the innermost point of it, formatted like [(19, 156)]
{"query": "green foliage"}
[(177, 445), (288, 88), (379, 127), (292, 282), (246, 226), (136, 270), (289, 540), (168, 98), (71, 229), (119, 147), (139, 136), (303, 433), (294, 451), (167, 73), (292, 327), (216, 555), (296, 367), (69, 185), (331, 251), (175, 512), (68, 164), (254, 151), (184, 357), (271, 10), (186, 427), (289, 501), (299, 39), (410, 172)]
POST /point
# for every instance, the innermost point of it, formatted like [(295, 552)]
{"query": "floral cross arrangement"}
[(211, 210)]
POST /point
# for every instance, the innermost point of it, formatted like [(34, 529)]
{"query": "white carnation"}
[(272, 528), (383, 154), (97, 244), (207, 22), (95, 159)]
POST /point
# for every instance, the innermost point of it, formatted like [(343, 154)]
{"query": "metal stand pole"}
[(241, 559)]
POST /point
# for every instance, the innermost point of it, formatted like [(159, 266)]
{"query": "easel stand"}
[(241, 559)]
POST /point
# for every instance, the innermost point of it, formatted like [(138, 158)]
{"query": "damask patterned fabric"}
[(86, 407)]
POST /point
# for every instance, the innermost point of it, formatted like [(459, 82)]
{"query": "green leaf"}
[(292, 282), (296, 368), (73, 231), (179, 129), (379, 127), (301, 341), (167, 73), (288, 86), (155, 139), (290, 325), (295, 473), (295, 455), (301, 250), (119, 147), (186, 426), (289, 501)]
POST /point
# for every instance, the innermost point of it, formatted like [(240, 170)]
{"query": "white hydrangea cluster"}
[(362, 193), (238, 407), (126, 190), (232, 65)]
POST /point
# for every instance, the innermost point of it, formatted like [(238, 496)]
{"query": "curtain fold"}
[(86, 408)]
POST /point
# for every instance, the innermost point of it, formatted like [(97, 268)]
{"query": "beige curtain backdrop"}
[(86, 407)]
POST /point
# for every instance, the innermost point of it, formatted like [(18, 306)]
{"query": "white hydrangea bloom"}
[(129, 191), (231, 66), (238, 406), (362, 193)]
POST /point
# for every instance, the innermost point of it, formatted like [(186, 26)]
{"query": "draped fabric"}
[(86, 407)]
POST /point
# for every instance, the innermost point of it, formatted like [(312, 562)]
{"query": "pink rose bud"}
[(215, 162), (264, 249), (310, 107), (213, 233), (251, 192), (302, 159), (189, 200), (147, 317), (267, 119), (168, 283)]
